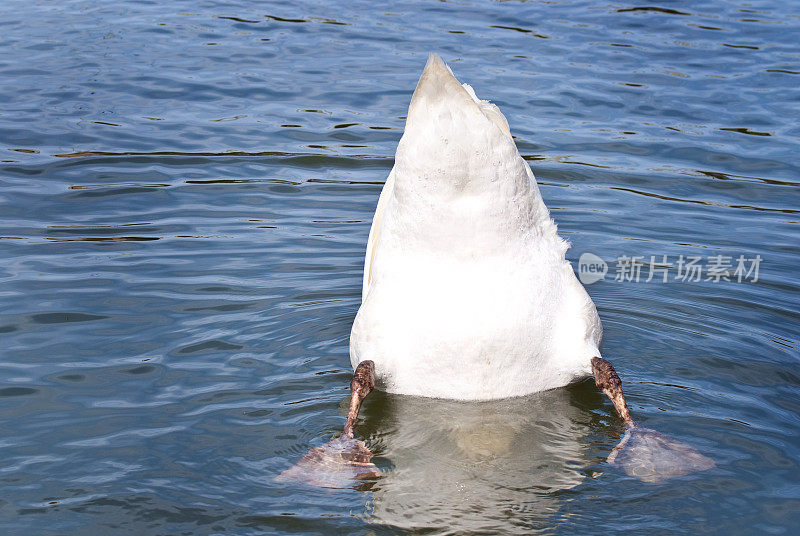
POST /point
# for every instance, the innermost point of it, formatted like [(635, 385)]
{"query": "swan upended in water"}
[(467, 293)]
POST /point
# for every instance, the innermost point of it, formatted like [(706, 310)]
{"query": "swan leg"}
[(608, 381), (343, 460), (362, 384), (643, 453)]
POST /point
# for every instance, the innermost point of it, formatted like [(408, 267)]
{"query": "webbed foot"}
[(643, 453), (652, 456), (339, 462), (336, 464)]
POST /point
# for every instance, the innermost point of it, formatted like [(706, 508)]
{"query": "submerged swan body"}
[(467, 294)]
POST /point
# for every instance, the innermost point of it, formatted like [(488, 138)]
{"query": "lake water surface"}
[(186, 190)]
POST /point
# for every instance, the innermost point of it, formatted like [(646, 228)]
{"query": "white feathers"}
[(466, 291)]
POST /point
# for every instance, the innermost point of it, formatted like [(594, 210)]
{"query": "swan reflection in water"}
[(465, 466)]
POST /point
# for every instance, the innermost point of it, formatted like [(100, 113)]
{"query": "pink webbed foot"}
[(337, 464), (643, 453), (652, 456), (343, 460)]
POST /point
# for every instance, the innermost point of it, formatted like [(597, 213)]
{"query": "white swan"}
[(467, 294)]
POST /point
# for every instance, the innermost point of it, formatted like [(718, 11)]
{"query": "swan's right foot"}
[(643, 453), (652, 456)]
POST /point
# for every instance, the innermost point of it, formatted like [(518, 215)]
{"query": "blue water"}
[(187, 189)]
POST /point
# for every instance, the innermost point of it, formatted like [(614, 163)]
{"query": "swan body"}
[(467, 294)]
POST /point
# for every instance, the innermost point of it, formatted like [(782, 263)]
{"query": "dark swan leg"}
[(362, 384), (643, 453), (344, 459), (607, 381)]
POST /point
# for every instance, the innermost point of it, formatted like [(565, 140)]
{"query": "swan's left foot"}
[(336, 464), (344, 459), (643, 453)]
